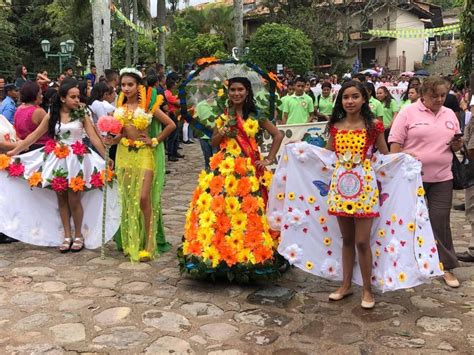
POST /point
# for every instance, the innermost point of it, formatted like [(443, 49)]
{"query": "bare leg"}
[(64, 213), (145, 205), (347, 227), (362, 239), (75, 205)]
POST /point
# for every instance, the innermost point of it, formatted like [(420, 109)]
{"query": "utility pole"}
[(102, 33), (239, 25), (161, 17), (135, 33)]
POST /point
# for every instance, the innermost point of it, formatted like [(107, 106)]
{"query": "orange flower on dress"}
[(240, 166), (218, 204), (243, 187), (223, 223), (206, 60), (253, 240), (110, 174), (4, 161), (216, 184), (219, 241), (195, 248), (228, 255), (249, 204), (254, 223), (215, 160), (262, 254), (35, 179), (196, 195), (61, 151), (77, 184)]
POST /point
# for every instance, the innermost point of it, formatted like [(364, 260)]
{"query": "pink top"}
[(418, 130), (24, 124)]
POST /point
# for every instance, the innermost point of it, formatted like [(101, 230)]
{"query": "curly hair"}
[(339, 114), (54, 114)]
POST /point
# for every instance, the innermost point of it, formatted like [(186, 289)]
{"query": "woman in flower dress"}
[(226, 231), (64, 165), (140, 166)]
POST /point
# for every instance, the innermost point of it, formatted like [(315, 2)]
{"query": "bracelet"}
[(154, 142)]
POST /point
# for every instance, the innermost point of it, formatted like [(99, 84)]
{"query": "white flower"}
[(280, 177), (424, 267), (131, 71), (292, 253), (421, 211), (330, 268), (389, 280), (300, 150), (411, 168), (296, 218), (275, 219), (119, 112)]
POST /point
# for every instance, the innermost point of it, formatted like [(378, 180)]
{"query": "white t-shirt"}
[(100, 108), (472, 101)]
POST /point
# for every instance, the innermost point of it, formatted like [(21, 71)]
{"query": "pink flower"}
[(16, 169), (96, 180), (49, 146), (59, 184), (108, 124), (79, 148)]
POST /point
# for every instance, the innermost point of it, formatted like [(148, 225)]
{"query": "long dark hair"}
[(98, 92), (139, 81), (54, 114), (19, 71), (338, 114), (83, 91), (249, 103), (410, 83), (388, 97)]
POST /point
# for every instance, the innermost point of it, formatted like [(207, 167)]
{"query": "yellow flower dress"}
[(353, 191), (226, 232)]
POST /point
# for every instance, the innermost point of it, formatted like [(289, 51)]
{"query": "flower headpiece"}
[(131, 71)]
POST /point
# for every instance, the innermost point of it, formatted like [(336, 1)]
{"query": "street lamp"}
[(66, 49)]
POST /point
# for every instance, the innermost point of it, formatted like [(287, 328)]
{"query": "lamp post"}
[(66, 49)]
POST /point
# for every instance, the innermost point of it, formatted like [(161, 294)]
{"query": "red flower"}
[(59, 184), (96, 181), (16, 169), (7, 137), (49, 146), (79, 148)]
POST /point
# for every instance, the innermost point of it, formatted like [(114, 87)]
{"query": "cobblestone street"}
[(77, 303)]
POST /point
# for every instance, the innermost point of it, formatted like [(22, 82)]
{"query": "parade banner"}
[(143, 31), (312, 133), (397, 92), (416, 32)]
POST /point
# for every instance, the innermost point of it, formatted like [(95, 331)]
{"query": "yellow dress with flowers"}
[(134, 159), (226, 232), (353, 191)]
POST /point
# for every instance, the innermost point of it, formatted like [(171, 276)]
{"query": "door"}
[(368, 57)]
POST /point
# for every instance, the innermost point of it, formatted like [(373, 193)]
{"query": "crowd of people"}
[(53, 140)]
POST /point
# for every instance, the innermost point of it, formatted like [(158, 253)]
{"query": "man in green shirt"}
[(299, 107)]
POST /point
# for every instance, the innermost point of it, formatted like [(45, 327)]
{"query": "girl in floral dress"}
[(66, 166), (353, 193), (140, 166), (226, 232)]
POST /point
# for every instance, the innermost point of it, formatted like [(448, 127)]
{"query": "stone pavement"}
[(77, 303)]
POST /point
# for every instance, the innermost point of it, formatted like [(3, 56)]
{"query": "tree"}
[(161, 19), (102, 34), (146, 50), (274, 44), (239, 24), (8, 51)]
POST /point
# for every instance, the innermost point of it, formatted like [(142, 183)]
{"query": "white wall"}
[(413, 47)]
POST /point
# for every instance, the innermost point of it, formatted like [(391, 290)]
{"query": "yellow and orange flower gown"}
[(226, 231)]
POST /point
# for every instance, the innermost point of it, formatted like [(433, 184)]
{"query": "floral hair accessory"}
[(131, 71)]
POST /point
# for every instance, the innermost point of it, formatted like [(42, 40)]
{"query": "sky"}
[(153, 5)]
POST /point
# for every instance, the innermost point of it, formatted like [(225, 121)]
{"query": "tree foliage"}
[(274, 44)]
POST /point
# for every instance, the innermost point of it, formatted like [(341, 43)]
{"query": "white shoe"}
[(367, 305), (450, 279), (335, 296)]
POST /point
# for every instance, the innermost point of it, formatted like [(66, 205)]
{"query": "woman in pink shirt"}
[(428, 130), (29, 114)]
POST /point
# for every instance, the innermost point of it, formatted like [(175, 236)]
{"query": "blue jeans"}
[(208, 151)]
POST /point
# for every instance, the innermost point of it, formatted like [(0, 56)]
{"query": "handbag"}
[(463, 171)]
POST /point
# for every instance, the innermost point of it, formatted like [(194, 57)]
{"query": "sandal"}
[(66, 245), (78, 244)]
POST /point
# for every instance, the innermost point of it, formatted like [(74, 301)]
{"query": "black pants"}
[(173, 139)]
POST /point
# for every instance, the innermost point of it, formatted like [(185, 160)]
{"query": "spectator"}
[(414, 82), (389, 106), (428, 130), (60, 79), (68, 71), (100, 102), (413, 96), (29, 114), (452, 102), (43, 80), (359, 77), (374, 104), (173, 107), (20, 76), (47, 97), (299, 107), (325, 103), (309, 92), (2, 88), (92, 75), (174, 74), (111, 78), (8, 105), (84, 91)]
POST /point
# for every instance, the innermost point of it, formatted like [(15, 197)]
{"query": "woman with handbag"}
[(431, 133)]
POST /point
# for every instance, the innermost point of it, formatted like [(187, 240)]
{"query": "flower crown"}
[(131, 71)]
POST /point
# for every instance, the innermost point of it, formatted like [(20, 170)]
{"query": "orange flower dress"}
[(353, 191), (226, 232)]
